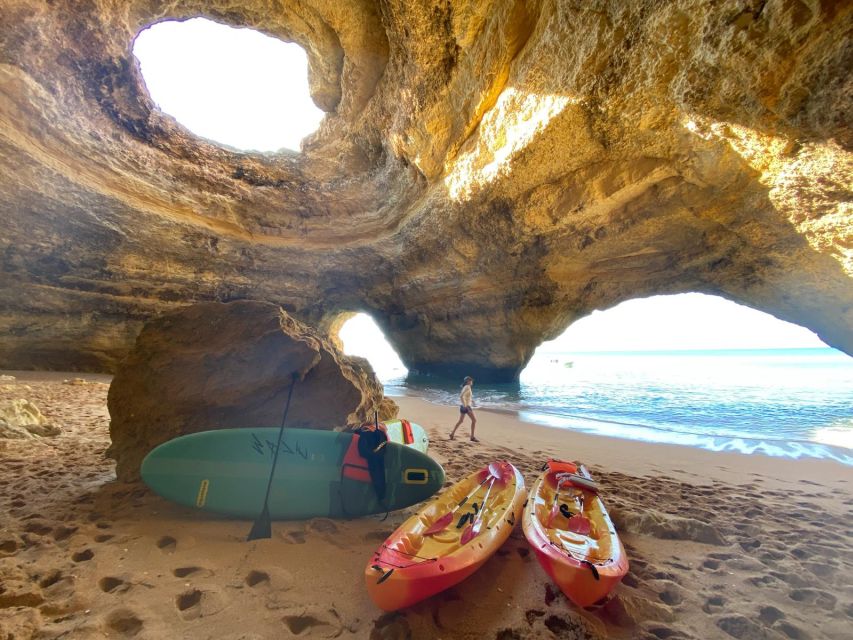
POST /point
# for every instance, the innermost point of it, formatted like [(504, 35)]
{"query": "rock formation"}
[(20, 419), (487, 173), (216, 366)]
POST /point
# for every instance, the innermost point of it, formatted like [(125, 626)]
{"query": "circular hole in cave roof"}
[(235, 87)]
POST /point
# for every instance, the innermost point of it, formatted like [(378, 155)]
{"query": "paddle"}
[(554, 508), (474, 529), (444, 521), (579, 523), (376, 427), (262, 528)]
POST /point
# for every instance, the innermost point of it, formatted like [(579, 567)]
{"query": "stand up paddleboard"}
[(318, 474), (408, 433)]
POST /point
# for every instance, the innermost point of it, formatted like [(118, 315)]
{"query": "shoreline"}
[(787, 449), (629, 456)]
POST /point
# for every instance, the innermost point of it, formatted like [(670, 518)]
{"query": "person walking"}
[(466, 401)]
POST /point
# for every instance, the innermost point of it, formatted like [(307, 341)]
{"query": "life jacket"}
[(561, 466), (371, 447)]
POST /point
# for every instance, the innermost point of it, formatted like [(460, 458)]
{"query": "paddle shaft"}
[(553, 513), (474, 528), (441, 523), (261, 527)]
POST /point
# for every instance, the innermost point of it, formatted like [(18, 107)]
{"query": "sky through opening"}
[(237, 87), (688, 321)]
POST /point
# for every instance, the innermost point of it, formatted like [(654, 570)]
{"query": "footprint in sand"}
[(104, 537), (665, 633), (376, 536), (563, 628), (38, 527), (630, 580), (711, 564), (323, 525), (183, 572), (822, 599), (83, 556), (63, 532), (112, 584), (769, 615), (167, 544), (124, 622), (391, 626), (9, 546), (820, 569), (741, 627), (294, 537), (195, 603), (257, 578), (795, 633), (312, 622), (188, 603), (671, 594), (714, 604)]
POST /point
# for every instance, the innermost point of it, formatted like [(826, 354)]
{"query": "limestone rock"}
[(216, 366), (21, 419), (487, 173)]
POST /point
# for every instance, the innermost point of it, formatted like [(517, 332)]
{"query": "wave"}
[(777, 447)]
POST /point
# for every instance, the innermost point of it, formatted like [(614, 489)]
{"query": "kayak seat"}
[(410, 543)]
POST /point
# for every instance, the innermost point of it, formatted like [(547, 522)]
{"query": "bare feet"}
[(473, 439), (451, 437)]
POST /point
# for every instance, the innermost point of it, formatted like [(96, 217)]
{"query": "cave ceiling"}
[(487, 172)]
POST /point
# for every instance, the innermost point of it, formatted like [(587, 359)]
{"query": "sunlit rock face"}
[(219, 366), (487, 173)]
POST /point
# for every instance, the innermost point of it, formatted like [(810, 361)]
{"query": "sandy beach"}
[(721, 545)]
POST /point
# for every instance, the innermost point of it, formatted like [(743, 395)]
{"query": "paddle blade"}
[(554, 511), (470, 532), (262, 527), (579, 524), (440, 525)]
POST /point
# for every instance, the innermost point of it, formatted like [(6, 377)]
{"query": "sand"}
[(721, 545)]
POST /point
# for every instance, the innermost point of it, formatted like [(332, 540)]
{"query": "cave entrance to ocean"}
[(361, 336), (694, 370), (235, 87), (680, 322)]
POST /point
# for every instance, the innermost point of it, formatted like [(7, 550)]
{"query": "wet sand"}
[(721, 545)]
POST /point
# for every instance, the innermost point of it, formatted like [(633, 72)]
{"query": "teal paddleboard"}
[(414, 435), (319, 473)]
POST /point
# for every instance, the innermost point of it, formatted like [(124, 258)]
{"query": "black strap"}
[(592, 568)]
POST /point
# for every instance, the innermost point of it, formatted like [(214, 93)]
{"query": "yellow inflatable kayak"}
[(447, 540), (569, 528)]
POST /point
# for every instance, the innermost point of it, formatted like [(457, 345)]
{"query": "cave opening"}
[(236, 87), (361, 336), (692, 369)]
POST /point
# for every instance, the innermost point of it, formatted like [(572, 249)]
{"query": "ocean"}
[(789, 403)]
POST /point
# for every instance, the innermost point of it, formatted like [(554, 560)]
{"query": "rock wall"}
[(217, 366), (487, 173)]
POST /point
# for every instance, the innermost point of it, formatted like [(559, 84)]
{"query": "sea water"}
[(780, 402)]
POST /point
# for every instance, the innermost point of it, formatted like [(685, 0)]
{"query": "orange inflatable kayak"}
[(448, 539), (575, 541)]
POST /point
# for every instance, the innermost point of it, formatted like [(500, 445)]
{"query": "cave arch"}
[(357, 333), (654, 172)]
